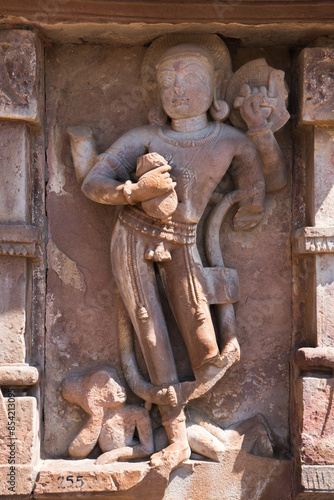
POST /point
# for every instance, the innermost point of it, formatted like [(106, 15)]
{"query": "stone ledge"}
[(19, 240), (240, 474), (246, 11), (18, 375), (317, 478), (313, 240)]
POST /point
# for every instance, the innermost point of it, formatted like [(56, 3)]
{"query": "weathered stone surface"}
[(13, 281), (255, 478), (322, 197), (14, 185), (318, 479), (82, 475), (20, 94), (21, 375), (324, 267), (82, 478), (22, 419), (22, 481), (316, 92), (317, 446), (240, 477), (313, 240), (77, 341), (75, 302)]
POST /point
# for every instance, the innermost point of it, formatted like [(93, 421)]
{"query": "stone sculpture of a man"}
[(195, 153)]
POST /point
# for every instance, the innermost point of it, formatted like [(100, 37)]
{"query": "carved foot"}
[(231, 350), (171, 457), (107, 458)]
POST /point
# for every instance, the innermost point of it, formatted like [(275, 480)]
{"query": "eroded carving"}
[(317, 83), (112, 423), (19, 90), (186, 78)]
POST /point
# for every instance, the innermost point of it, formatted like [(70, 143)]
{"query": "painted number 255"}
[(70, 482)]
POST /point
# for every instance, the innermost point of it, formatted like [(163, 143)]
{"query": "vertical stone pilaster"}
[(21, 255), (314, 360)]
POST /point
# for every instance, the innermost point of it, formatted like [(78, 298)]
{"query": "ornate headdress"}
[(210, 44)]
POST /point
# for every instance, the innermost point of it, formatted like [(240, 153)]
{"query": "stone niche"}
[(268, 421)]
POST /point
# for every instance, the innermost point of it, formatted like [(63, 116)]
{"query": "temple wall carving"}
[(221, 219)]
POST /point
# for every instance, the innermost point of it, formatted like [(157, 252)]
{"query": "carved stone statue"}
[(186, 78), (111, 423)]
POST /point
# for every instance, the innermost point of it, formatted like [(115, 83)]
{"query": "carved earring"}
[(219, 110)]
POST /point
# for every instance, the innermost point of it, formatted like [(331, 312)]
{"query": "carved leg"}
[(174, 422), (135, 277), (182, 279)]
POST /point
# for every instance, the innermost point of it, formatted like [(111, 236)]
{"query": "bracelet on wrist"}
[(127, 193), (259, 130)]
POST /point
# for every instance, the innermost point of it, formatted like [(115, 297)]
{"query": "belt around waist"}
[(175, 232)]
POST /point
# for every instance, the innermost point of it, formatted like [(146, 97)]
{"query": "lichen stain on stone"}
[(66, 268)]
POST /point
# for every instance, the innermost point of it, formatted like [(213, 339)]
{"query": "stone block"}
[(21, 70), (316, 89), (18, 445), (317, 445), (13, 283), (255, 478), (19, 432), (323, 166), (325, 299), (317, 479), (14, 178), (83, 476), (20, 479)]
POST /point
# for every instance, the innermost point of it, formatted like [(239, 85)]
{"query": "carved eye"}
[(192, 78), (166, 83)]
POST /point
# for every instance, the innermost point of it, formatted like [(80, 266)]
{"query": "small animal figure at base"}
[(112, 423)]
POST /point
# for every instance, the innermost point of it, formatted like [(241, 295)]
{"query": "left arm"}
[(255, 111)]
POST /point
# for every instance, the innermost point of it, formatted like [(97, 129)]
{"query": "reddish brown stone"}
[(317, 446)]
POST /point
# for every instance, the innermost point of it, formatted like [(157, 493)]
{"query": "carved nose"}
[(178, 89)]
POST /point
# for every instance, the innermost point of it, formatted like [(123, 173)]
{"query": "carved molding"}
[(19, 240), (317, 86), (19, 75), (313, 240), (318, 478), (246, 11), (18, 375)]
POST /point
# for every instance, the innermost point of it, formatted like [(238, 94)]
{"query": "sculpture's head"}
[(184, 76), (186, 79)]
